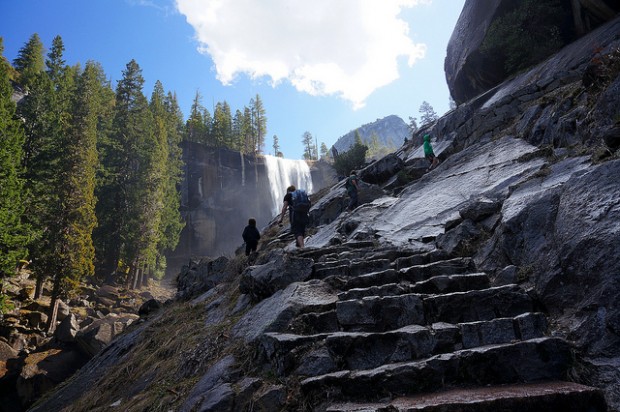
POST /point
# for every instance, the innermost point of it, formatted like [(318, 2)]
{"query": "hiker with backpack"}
[(251, 236), (352, 186), (298, 205), (429, 154)]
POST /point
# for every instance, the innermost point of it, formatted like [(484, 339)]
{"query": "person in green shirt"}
[(352, 186), (429, 154)]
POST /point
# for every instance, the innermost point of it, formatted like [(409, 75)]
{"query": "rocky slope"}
[(487, 284)]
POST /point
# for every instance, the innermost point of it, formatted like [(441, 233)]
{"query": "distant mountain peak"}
[(390, 131)]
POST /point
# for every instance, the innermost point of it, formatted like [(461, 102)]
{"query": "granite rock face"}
[(471, 72)]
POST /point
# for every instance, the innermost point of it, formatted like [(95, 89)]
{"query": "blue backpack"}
[(301, 202)]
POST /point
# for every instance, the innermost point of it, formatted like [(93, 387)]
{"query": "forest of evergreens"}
[(89, 175)]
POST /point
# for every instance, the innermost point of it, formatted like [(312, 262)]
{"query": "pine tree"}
[(259, 123), (29, 62), (222, 125), (324, 150), (352, 159), (14, 235), (306, 140), (195, 126), (276, 145), (162, 203), (47, 113), (413, 124), (75, 250), (171, 222), (428, 113), (125, 196), (237, 141)]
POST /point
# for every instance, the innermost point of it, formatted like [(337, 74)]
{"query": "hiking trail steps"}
[(423, 332)]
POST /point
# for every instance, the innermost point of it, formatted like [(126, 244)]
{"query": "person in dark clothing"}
[(288, 205), (251, 236), (298, 220), (353, 187)]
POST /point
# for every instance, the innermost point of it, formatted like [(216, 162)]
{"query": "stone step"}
[(528, 361), (382, 313), (454, 266), (362, 350), (530, 397), (476, 305), (390, 289), (346, 279), (315, 323), (377, 278), (328, 264), (420, 259), (434, 285), (348, 268)]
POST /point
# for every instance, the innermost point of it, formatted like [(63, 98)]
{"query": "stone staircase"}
[(422, 332)]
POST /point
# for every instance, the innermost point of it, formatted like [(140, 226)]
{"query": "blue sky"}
[(322, 66)]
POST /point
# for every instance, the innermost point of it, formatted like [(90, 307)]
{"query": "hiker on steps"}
[(251, 236), (298, 205), (429, 154), (352, 186)]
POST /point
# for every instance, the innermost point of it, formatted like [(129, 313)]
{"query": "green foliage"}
[(14, 235), (428, 114), (352, 159), (527, 34), (324, 151), (244, 132), (376, 150), (6, 305), (49, 173), (309, 148), (29, 62), (259, 122), (276, 145)]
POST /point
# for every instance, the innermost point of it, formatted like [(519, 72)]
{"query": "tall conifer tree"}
[(14, 235), (259, 123), (127, 159), (47, 114), (29, 62)]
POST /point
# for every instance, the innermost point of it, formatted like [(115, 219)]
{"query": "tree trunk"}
[(51, 321), (145, 278), (38, 291), (136, 276)]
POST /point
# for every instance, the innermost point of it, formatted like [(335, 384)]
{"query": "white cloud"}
[(347, 48)]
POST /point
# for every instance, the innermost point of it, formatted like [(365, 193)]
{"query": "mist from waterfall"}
[(285, 172)]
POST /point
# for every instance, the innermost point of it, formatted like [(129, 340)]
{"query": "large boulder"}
[(276, 312), (42, 371), (468, 71), (199, 277), (380, 171), (96, 336), (471, 71), (262, 281)]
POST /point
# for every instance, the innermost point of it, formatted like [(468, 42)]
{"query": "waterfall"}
[(285, 172)]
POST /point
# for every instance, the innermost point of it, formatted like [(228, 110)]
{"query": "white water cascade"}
[(285, 172)]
